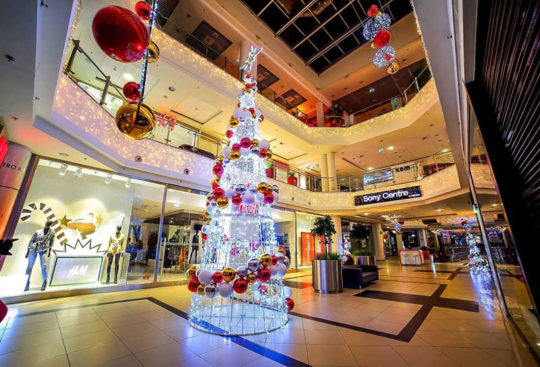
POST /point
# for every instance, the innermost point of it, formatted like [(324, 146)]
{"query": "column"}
[(422, 239), (332, 182), (320, 114), (337, 238), (244, 51), (378, 241), (399, 239), (324, 172), (351, 120)]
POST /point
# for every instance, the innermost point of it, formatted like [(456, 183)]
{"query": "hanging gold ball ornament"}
[(228, 274), (153, 52), (135, 126), (255, 143), (261, 187), (393, 68), (200, 289), (222, 202), (191, 273), (233, 122), (265, 260), (206, 214), (234, 155), (268, 154), (251, 278)]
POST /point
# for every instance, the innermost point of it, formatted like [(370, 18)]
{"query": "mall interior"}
[(269, 182)]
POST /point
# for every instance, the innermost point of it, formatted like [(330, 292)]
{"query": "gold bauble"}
[(265, 260), (251, 278), (228, 274), (153, 52), (268, 154), (233, 122), (191, 273), (234, 155), (200, 289), (261, 187), (220, 159), (281, 250), (206, 214), (255, 143), (135, 128), (373, 45), (393, 68), (222, 202)]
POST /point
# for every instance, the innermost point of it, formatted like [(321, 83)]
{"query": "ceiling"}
[(321, 33)]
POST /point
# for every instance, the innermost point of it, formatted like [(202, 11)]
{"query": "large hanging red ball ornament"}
[(236, 200), (143, 10), (290, 304), (274, 259), (131, 91), (245, 143), (219, 193), (268, 198), (120, 34), (215, 183), (218, 170), (263, 153), (264, 274), (236, 147), (217, 277), (240, 285), (382, 38), (229, 134), (204, 236), (193, 285), (372, 11)]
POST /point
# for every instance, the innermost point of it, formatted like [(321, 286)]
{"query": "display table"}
[(411, 257)]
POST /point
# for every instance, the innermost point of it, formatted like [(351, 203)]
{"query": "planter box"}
[(365, 260), (291, 180), (270, 172), (327, 276)]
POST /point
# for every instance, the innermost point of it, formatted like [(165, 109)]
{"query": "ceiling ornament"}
[(376, 31)]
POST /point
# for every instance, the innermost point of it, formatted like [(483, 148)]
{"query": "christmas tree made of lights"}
[(477, 264), (238, 288)]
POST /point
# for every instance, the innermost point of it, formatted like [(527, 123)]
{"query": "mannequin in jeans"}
[(194, 246), (40, 245), (115, 250)]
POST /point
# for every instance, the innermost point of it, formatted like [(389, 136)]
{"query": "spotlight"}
[(108, 179), (78, 173), (391, 147), (63, 169)]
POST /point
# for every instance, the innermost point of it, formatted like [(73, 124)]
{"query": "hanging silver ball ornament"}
[(241, 271), (240, 189), (255, 150), (229, 193), (210, 291), (248, 198), (284, 260), (281, 269), (226, 151), (253, 264), (259, 197), (275, 188), (264, 144)]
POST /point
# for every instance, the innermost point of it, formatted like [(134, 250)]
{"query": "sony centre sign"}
[(389, 195)]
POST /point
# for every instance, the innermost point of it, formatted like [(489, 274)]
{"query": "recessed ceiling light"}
[(438, 210), (391, 147), (172, 89), (63, 154), (444, 150), (366, 213), (370, 168), (127, 76)]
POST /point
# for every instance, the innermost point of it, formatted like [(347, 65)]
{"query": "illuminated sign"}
[(310, 247), (74, 270), (389, 195)]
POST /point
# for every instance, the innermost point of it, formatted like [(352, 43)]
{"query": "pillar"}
[(422, 238), (324, 172), (399, 239), (332, 181), (378, 241), (337, 238), (244, 51), (320, 114), (351, 120)]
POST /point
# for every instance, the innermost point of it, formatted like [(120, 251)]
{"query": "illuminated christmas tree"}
[(477, 264), (238, 287)]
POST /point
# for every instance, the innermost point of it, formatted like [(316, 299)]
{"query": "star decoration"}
[(99, 219), (64, 221), (252, 56)]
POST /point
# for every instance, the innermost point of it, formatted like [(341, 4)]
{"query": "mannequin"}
[(40, 245), (194, 246), (115, 250)]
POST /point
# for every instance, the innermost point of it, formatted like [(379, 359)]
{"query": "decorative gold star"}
[(99, 219), (64, 221)]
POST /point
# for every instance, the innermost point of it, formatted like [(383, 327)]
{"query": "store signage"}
[(75, 270), (389, 195), (310, 247)]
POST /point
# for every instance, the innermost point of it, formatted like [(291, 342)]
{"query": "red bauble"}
[(263, 153), (268, 198), (218, 170), (131, 91), (274, 260), (143, 10), (219, 193), (372, 11), (193, 285), (261, 118), (401, 221), (236, 200), (236, 147), (3, 311), (290, 304), (120, 34), (229, 134), (245, 143), (252, 110), (463, 222), (215, 184), (382, 38), (264, 274), (240, 285), (217, 277), (388, 57), (204, 236)]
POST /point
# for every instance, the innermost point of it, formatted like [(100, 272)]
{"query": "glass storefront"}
[(85, 228)]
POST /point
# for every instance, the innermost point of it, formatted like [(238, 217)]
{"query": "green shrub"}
[(362, 252), (329, 256)]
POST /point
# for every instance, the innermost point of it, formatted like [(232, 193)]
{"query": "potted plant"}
[(364, 256), (291, 179), (269, 169), (327, 267)]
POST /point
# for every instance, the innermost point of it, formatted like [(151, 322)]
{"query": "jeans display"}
[(110, 257), (43, 263)]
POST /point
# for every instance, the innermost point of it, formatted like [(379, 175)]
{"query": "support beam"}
[(290, 21)]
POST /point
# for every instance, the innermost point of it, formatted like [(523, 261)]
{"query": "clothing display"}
[(40, 245), (115, 250), (194, 246)]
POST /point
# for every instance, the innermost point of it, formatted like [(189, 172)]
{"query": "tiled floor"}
[(441, 316)]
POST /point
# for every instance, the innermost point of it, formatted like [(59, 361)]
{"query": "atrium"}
[(269, 183)]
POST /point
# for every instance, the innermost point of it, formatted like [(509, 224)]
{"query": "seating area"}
[(357, 276)]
